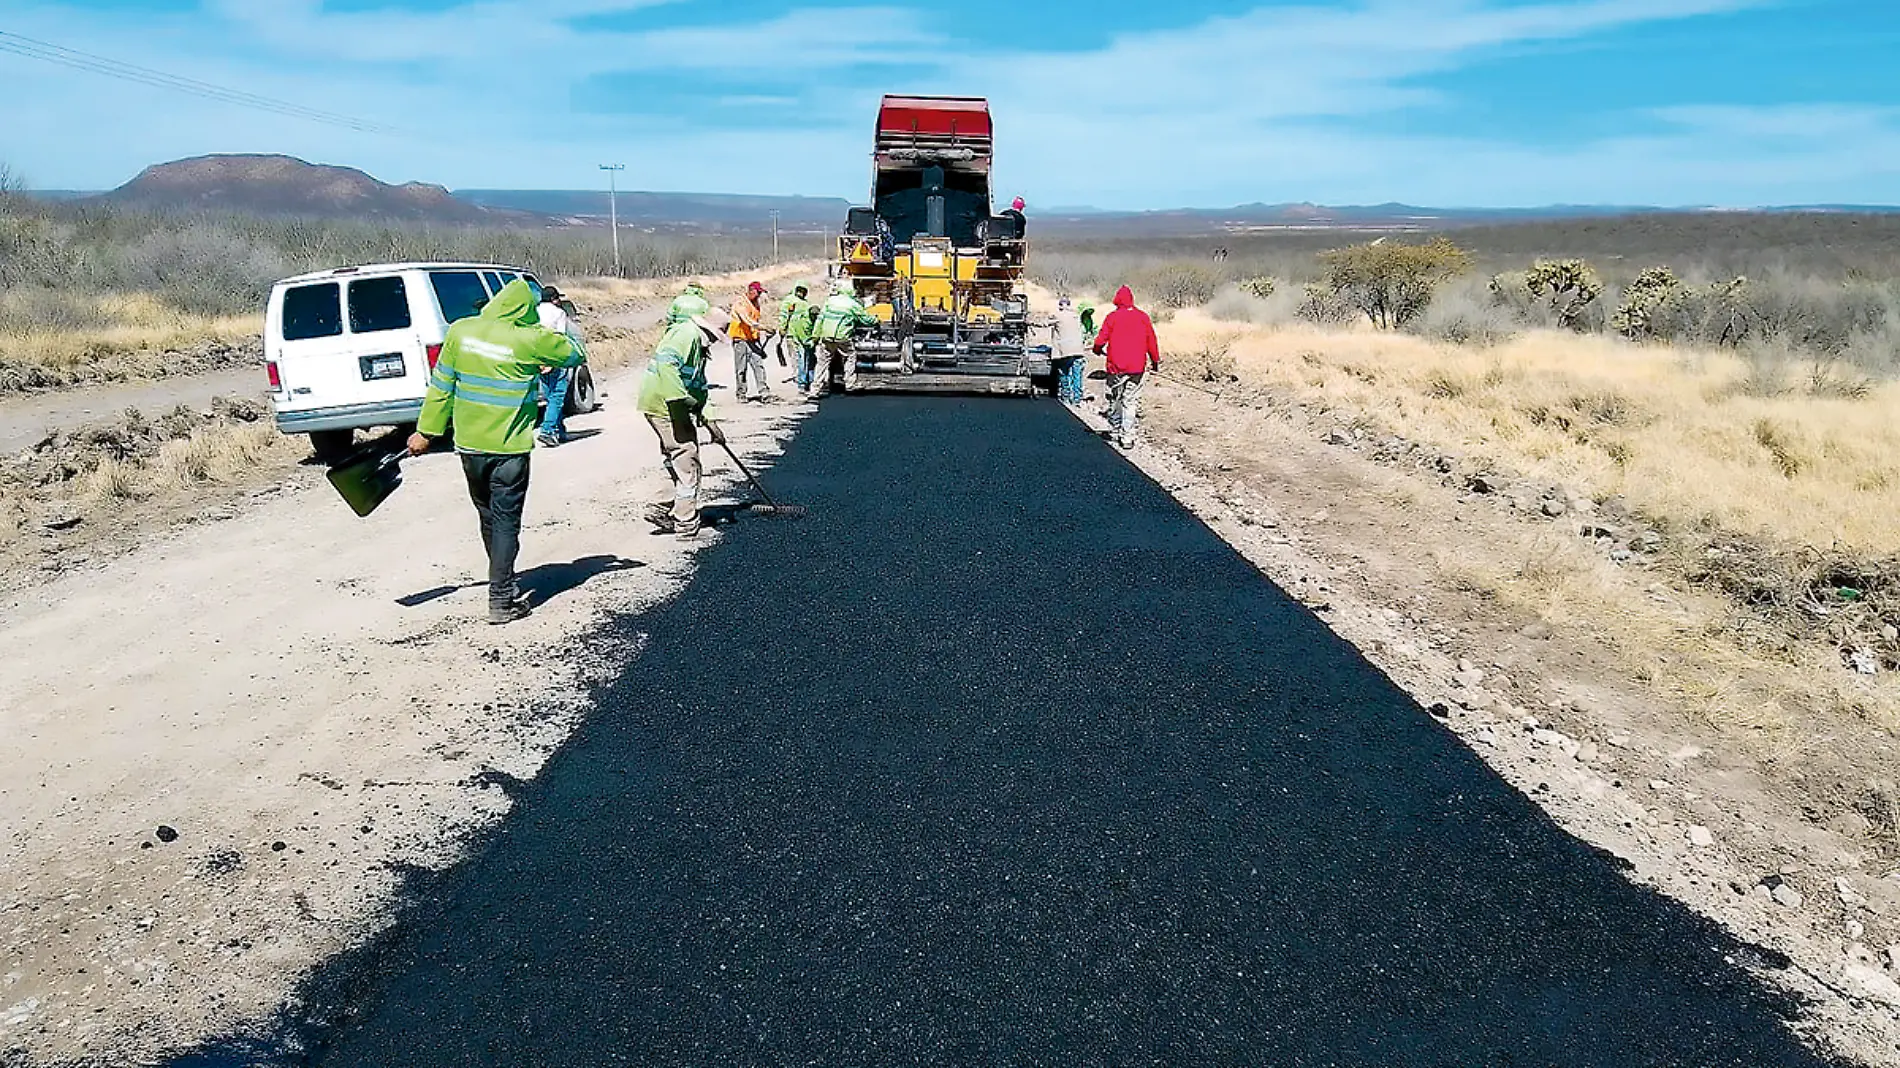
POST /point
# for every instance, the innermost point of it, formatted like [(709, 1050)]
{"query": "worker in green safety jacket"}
[(484, 383), (691, 301), (677, 403), (835, 332), (794, 331)]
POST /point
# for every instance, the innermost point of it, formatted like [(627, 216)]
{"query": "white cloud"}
[(1265, 105)]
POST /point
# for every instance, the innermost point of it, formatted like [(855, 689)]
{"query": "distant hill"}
[(284, 185), (645, 209)]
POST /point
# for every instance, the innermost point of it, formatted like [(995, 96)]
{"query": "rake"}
[(767, 506)]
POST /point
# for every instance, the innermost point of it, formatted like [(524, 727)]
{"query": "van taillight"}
[(435, 353), (276, 383)]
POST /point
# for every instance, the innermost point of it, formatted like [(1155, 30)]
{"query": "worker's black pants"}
[(499, 487)]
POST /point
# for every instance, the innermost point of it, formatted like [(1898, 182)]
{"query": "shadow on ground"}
[(542, 584), (1001, 757)]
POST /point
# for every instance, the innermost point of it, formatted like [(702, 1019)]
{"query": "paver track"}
[(1001, 757)]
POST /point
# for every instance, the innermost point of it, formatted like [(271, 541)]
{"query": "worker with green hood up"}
[(691, 302), (484, 384), (676, 400)]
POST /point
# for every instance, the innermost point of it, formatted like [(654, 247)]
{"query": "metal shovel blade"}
[(368, 479)]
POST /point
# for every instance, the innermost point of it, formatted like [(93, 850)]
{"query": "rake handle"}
[(744, 470)]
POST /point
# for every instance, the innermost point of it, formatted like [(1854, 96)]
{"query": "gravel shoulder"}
[(1724, 820)]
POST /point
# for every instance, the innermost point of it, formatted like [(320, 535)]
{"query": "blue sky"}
[(1109, 103)]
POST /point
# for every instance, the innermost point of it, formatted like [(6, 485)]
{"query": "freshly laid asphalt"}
[(1000, 757)]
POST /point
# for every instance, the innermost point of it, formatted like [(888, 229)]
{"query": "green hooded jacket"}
[(794, 318), (677, 372), (484, 381), (840, 317), (689, 303), (1089, 326)]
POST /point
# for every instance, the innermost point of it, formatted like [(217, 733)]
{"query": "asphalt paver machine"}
[(935, 262)]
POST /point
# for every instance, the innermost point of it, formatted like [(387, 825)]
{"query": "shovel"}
[(369, 478)]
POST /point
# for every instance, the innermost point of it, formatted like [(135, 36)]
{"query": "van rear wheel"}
[(332, 446), (583, 396)]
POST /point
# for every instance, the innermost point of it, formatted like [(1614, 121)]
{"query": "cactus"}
[(1572, 286), (1655, 289)]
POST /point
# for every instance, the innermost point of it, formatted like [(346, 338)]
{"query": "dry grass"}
[(116, 338), (1769, 502), (1676, 434)]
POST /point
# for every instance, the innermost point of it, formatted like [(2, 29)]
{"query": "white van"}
[(352, 348)]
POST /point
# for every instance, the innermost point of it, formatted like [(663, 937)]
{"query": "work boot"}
[(517, 609), (687, 534)]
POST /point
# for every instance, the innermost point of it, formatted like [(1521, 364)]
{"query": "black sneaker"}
[(662, 519), (517, 609)]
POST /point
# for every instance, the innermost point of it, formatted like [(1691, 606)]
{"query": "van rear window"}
[(460, 293), (313, 311), (378, 304)]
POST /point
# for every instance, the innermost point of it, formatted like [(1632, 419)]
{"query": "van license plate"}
[(386, 366)]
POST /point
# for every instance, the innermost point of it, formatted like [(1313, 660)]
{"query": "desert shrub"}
[(1571, 286), (1652, 292), (1176, 285), (223, 263), (1260, 288), (202, 269), (1212, 361), (1323, 307), (1392, 283), (1467, 315)]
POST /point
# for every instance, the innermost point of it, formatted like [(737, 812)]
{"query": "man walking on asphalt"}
[(1128, 339), (675, 399), (555, 380), (749, 330), (838, 323), (484, 382), (794, 331)]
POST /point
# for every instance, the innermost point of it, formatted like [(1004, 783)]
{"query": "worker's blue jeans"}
[(554, 391), (1071, 379), (804, 354)]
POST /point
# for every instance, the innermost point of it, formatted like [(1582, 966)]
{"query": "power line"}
[(31, 48)]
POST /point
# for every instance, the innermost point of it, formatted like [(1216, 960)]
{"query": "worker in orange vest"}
[(748, 331)]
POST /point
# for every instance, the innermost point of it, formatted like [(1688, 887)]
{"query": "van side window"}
[(313, 311), (378, 304), (494, 281), (459, 293)]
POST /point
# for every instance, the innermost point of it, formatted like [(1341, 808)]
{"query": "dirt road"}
[(25, 419), (227, 750)]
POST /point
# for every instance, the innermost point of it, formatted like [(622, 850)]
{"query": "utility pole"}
[(774, 235), (613, 209)]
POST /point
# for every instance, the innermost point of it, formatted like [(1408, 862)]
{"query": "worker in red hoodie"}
[(1128, 339)]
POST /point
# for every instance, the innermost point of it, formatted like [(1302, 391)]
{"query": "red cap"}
[(755, 288), (1018, 204)]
